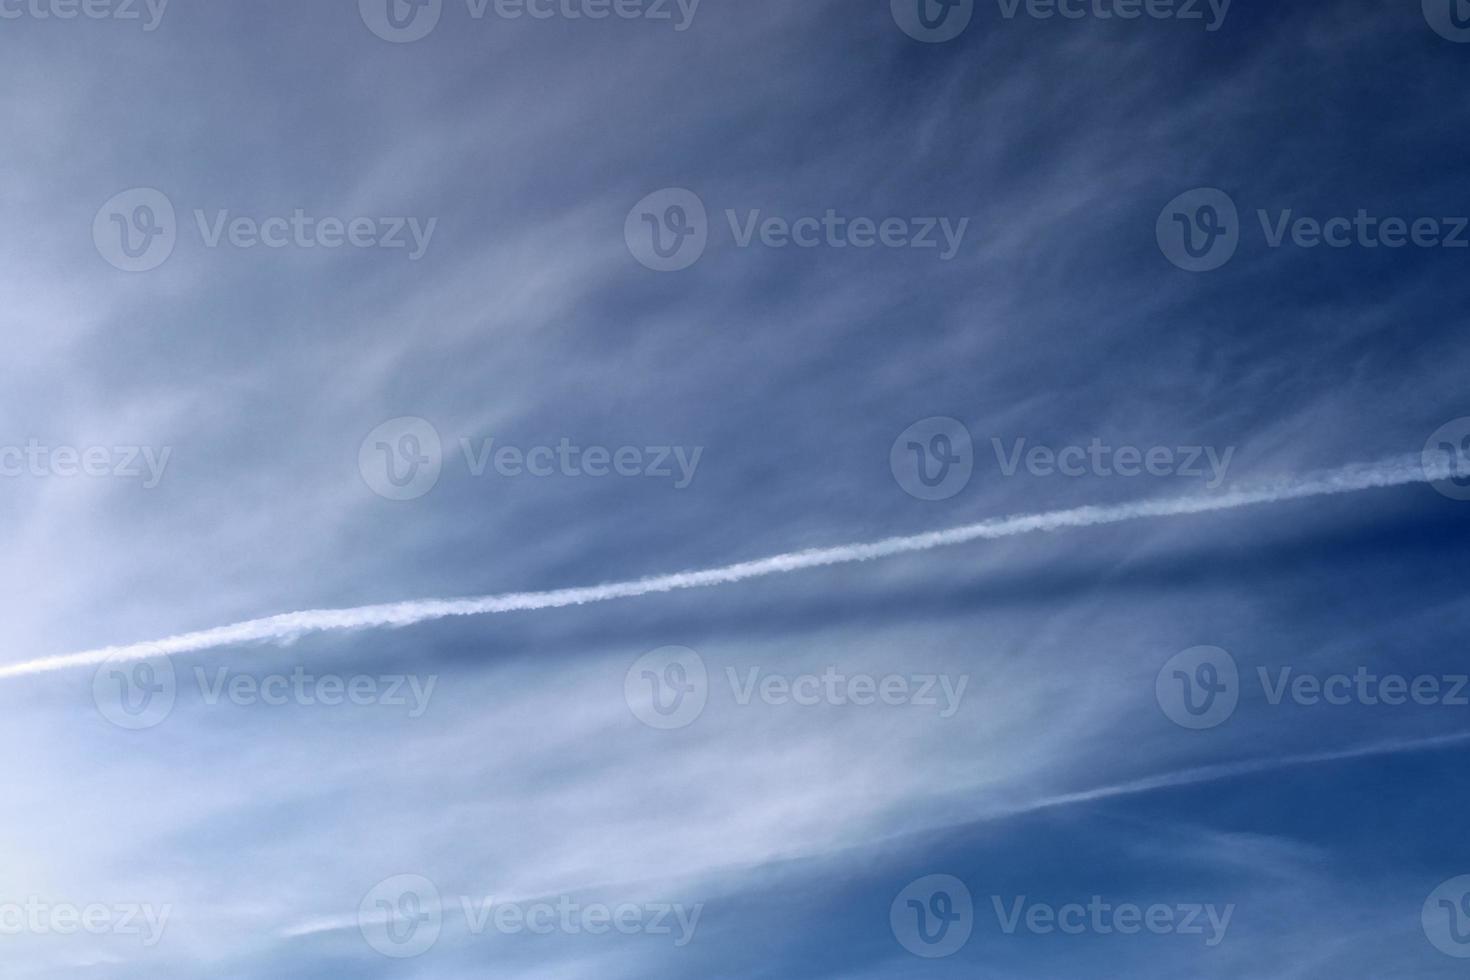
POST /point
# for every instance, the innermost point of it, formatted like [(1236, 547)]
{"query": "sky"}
[(326, 317)]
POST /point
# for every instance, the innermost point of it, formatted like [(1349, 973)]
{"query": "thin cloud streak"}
[(290, 626), (1234, 770)]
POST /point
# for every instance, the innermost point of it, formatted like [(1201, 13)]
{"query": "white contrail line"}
[(289, 626), (1235, 770)]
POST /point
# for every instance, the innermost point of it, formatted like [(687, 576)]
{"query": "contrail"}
[(289, 626), (1236, 770)]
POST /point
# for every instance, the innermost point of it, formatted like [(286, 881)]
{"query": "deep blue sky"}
[(530, 320)]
